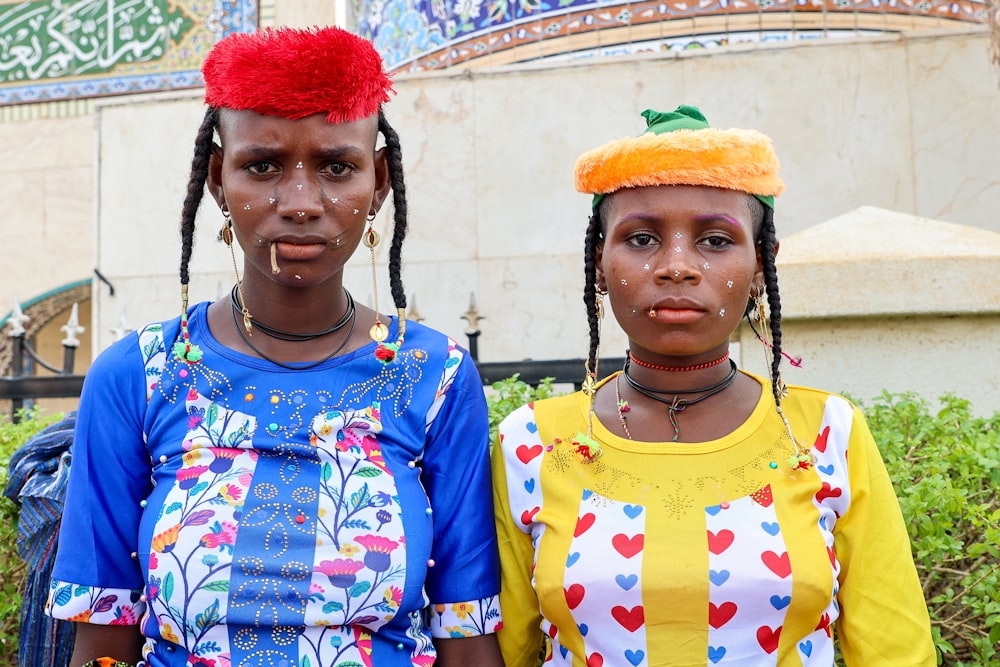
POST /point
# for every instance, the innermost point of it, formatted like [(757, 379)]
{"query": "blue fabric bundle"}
[(38, 472)]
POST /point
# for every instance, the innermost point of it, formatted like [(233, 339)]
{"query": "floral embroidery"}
[(465, 619)]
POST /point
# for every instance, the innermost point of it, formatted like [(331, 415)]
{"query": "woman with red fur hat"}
[(285, 477), (679, 511)]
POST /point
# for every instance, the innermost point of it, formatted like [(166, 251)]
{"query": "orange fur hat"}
[(293, 73), (680, 148)]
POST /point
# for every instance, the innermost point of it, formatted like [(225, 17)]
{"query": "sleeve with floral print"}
[(96, 577)]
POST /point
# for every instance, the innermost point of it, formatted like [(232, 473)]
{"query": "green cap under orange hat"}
[(680, 148)]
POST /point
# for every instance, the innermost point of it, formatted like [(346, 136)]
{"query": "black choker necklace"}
[(676, 404), (291, 335), (302, 366)]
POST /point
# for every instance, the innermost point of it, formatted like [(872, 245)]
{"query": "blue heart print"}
[(718, 577)]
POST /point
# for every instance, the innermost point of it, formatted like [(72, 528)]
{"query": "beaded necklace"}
[(675, 404)]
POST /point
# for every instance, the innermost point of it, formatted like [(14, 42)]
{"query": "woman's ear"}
[(214, 179), (602, 282), (758, 276), (383, 181)]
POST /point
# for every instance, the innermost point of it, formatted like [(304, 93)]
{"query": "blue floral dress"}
[(249, 515)]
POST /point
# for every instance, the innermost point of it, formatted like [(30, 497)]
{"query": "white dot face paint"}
[(679, 235), (355, 211), (333, 200), (677, 274), (272, 200), (302, 214), (298, 166), (729, 284), (298, 187), (246, 207), (646, 268), (722, 312), (706, 266), (624, 282), (678, 249), (297, 276)]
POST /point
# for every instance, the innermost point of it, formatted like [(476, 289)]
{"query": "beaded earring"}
[(801, 458), (584, 444), (226, 234)]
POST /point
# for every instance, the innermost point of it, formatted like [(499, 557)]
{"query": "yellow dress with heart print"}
[(714, 553)]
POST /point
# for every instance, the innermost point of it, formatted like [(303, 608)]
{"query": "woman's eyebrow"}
[(715, 217)]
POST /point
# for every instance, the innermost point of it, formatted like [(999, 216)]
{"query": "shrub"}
[(945, 467), (507, 395), (12, 569)]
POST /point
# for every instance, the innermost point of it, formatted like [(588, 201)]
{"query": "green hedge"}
[(945, 465), (944, 462)]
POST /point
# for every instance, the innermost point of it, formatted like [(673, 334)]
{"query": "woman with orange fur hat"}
[(680, 511), (284, 478)]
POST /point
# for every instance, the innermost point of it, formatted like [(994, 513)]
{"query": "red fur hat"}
[(293, 73)]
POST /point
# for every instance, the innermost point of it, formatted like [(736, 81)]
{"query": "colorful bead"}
[(430, 562)]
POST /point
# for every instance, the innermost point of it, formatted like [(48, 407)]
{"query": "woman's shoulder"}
[(813, 397), (431, 341), (526, 418)]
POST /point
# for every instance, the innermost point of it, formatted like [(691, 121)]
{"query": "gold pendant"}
[(379, 332)]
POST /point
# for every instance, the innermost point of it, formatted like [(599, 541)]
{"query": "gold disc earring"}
[(379, 331)]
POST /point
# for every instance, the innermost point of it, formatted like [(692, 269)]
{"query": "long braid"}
[(196, 187), (590, 286), (767, 240), (395, 159)]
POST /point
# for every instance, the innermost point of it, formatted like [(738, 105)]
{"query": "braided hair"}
[(763, 217), (199, 175)]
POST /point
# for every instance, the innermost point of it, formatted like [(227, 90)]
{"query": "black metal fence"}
[(22, 384)]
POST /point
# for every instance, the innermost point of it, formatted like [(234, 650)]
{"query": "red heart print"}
[(779, 564), (768, 638), (553, 631), (820, 443), (574, 595), (595, 660), (630, 619), (719, 616), (824, 622), (525, 453), (833, 556), (628, 546), (527, 516), (583, 524), (763, 496), (826, 492), (719, 542)]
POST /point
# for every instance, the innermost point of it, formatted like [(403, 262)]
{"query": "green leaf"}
[(359, 589), (168, 586), (220, 585), (209, 617), (368, 472), (361, 497)]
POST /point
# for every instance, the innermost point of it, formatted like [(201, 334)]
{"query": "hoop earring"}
[(226, 234)]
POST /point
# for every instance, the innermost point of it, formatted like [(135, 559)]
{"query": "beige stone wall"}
[(47, 176), (908, 124)]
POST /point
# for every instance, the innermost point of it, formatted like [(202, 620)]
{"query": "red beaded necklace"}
[(677, 369)]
